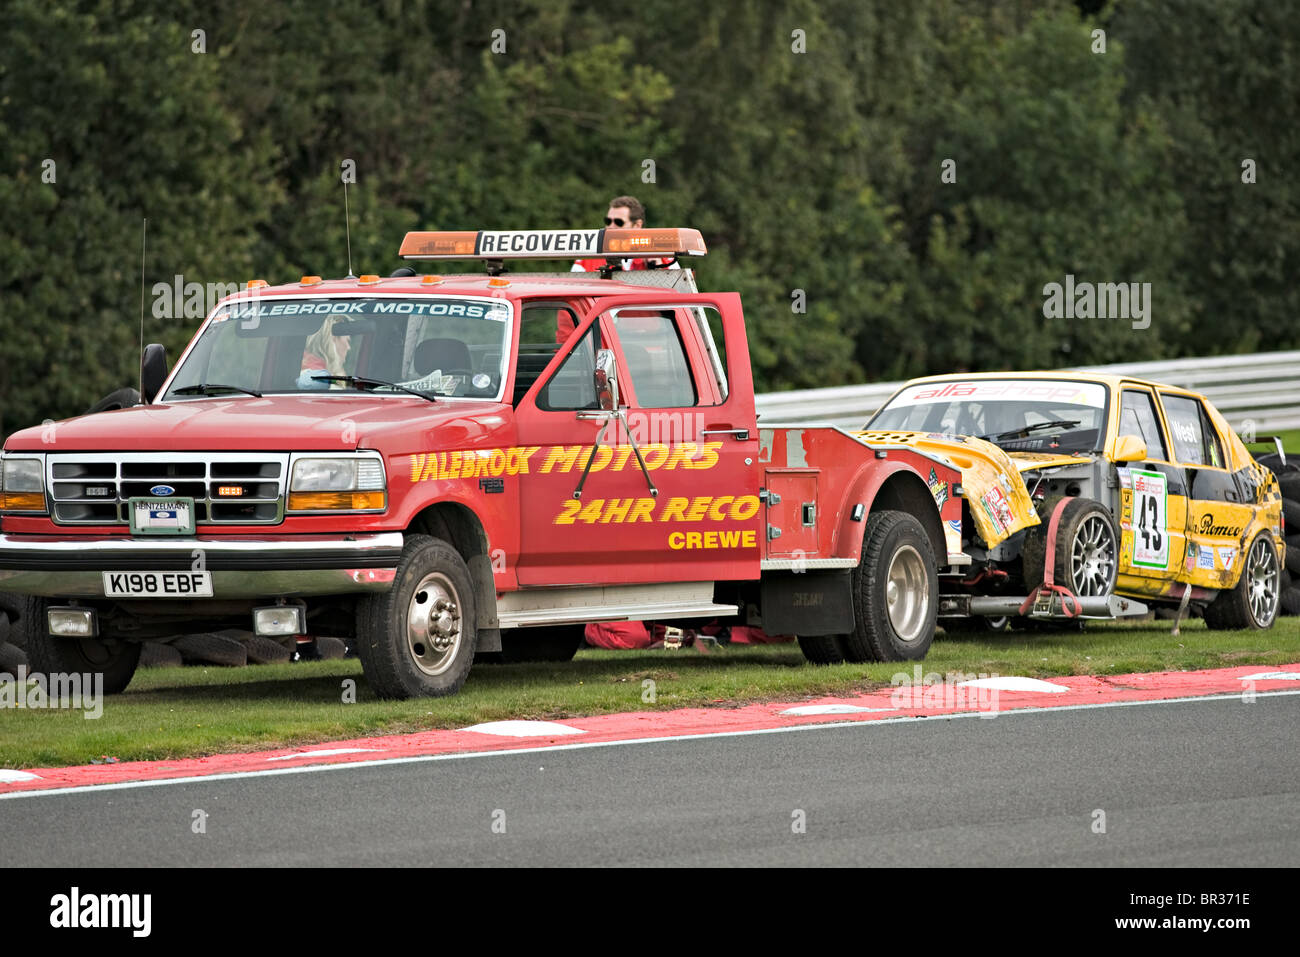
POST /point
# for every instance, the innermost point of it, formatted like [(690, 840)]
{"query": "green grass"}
[(172, 713), (1290, 442)]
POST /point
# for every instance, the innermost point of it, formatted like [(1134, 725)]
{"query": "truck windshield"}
[(1016, 414), (432, 344)]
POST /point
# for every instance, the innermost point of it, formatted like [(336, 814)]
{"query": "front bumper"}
[(262, 566)]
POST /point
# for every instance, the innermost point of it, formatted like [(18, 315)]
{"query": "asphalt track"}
[(1181, 783)]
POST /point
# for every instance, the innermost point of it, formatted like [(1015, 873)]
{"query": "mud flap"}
[(808, 603)]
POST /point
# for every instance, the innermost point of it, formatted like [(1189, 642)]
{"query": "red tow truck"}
[(439, 466)]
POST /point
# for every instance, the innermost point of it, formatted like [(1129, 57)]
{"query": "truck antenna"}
[(347, 225), (144, 238)]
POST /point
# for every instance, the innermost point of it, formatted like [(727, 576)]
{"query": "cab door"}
[(1152, 503), (1219, 513), (691, 418)]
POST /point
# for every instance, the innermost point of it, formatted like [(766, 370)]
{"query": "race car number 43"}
[(157, 584)]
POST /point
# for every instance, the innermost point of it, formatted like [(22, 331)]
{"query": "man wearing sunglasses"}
[(625, 212)]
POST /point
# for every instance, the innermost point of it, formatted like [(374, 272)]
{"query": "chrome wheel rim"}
[(1262, 582), (1092, 558), (907, 593), (433, 625)]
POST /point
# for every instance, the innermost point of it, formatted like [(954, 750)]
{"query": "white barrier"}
[(1259, 392)]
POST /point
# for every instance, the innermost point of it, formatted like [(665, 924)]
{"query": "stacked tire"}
[(1288, 478), (13, 650)]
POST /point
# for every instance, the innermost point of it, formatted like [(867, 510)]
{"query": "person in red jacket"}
[(625, 212)]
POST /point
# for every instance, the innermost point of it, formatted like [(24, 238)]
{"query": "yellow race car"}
[(1092, 496)]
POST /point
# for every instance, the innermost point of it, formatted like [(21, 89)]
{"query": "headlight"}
[(338, 483), (22, 485)]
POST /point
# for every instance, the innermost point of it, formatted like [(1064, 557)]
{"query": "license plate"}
[(162, 516), (157, 584)]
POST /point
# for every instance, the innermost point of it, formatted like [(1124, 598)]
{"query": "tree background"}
[(817, 171)]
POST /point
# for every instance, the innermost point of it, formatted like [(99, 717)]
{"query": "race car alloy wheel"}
[(1262, 568), (419, 638), (1253, 603), (1092, 557), (1085, 557), (895, 587)]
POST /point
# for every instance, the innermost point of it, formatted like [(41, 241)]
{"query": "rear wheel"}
[(895, 591), (557, 643), (53, 655), (823, 649), (1253, 603), (418, 639)]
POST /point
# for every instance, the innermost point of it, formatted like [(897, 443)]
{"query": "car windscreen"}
[(436, 345), (1055, 415)]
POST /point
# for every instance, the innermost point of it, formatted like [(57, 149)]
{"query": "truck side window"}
[(1137, 416), (709, 322), (572, 386), (543, 331), (656, 361)]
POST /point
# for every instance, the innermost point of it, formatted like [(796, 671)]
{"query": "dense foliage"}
[(917, 171)]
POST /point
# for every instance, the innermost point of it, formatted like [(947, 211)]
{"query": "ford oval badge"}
[(162, 490)]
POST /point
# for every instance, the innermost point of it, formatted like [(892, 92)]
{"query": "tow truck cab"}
[(439, 466)]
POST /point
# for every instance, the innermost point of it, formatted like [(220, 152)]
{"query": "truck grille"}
[(230, 488)]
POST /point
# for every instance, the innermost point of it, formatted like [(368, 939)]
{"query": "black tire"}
[(11, 612), (1087, 548), (823, 649), (51, 655), (1290, 601), (329, 648), (1292, 556), (1291, 512), (266, 651), (213, 649), (11, 659), (557, 643), (121, 399), (1273, 462), (897, 551), (1289, 482), (1254, 602), (397, 651), (157, 654)]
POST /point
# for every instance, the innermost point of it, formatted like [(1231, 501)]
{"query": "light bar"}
[(553, 244)]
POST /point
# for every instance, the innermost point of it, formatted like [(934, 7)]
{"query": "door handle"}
[(742, 435)]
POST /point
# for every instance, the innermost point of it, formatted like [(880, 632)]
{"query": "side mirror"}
[(1130, 448), (606, 379), (153, 370)]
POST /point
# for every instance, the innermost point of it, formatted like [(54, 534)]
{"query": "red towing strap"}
[(1049, 567)]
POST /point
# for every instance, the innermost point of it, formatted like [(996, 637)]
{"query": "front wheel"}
[(1253, 603), (1086, 556), (895, 592), (418, 639), (52, 655)]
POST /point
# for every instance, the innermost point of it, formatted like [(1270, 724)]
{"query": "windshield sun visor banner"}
[(452, 308), (1090, 394)]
